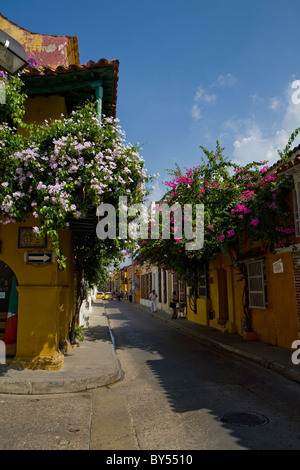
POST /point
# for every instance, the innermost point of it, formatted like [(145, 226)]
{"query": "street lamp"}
[(13, 57)]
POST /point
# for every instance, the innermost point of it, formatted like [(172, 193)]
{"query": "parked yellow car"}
[(100, 295), (108, 296)]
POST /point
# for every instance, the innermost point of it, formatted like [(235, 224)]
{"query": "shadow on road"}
[(195, 378)]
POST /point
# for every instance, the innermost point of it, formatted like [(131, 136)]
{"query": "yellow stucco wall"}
[(46, 295), (45, 300), (233, 301), (40, 108), (67, 282), (202, 315), (277, 324)]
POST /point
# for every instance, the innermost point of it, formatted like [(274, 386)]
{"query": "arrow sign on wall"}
[(40, 258)]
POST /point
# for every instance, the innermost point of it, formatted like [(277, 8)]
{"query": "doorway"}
[(8, 308)]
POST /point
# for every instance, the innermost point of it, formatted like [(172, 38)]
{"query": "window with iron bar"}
[(257, 283)]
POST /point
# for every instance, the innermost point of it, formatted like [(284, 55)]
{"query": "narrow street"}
[(199, 216), (179, 393), (176, 395)]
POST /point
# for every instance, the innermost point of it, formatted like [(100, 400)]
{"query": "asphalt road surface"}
[(176, 395), (181, 395)]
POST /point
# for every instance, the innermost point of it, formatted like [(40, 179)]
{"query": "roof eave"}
[(38, 81)]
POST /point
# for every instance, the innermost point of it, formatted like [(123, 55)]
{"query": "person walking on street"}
[(153, 297), (130, 296)]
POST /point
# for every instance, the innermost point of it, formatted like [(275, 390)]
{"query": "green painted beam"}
[(99, 96)]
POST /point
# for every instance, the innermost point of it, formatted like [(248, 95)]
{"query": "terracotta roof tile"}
[(280, 167), (31, 72)]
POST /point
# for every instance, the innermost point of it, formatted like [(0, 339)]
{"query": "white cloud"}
[(227, 79), (196, 112), (255, 97), (233, 124), (253, 144), (275, 103), (204, 97), (157, 192), (291, 118)]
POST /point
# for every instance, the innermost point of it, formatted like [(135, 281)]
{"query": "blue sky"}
[(191, 71)]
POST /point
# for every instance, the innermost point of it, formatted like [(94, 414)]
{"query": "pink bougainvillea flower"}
[(254, 222)]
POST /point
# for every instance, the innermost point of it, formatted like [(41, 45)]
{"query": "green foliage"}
[(284, 154), (245, 210), (79, 333), (13, 109), (61, 172)]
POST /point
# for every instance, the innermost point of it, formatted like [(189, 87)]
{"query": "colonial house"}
[(46, 295), (127, 279), (274, 283), (164, 283)]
